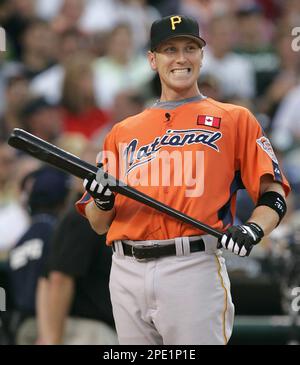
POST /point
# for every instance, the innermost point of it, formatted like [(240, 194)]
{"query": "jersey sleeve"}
[(255, 156), (109, 158)]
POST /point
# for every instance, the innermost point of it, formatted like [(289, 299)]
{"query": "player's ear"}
[(201, 56), (152, 60)]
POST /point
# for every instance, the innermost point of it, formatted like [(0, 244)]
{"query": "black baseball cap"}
[(173, 26), (35, 105), (48, 188)]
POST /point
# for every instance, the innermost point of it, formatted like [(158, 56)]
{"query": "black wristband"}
[(275, 201)]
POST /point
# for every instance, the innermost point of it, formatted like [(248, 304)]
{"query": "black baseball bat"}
[(72, 164)]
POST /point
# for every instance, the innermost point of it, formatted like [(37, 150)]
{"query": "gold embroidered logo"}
[(175, 20)]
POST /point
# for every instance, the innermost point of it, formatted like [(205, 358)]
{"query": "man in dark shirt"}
[(46, 190), (79, 309)]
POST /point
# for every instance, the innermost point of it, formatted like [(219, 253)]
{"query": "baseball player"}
[(169, 283)]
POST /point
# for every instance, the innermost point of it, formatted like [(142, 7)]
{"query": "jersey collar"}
[(169, 105)]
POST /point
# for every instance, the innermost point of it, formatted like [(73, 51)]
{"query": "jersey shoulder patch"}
[(265, 144)]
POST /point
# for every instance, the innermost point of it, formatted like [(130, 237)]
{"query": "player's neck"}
[(175, 95)]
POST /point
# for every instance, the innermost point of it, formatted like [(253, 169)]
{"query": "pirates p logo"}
[(175, 20)]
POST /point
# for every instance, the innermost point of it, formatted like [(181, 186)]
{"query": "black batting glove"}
[(241, 239), (102, 195)]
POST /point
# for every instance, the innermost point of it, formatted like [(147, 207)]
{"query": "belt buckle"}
[(145, 248)]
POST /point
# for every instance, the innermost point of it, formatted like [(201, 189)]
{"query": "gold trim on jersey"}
[(226, 299)]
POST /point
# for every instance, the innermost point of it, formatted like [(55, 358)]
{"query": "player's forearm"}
[(264, 216), (42, 308), (61, 291), (100, 220)]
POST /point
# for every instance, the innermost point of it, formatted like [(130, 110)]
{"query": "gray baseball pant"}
[(176, 300)]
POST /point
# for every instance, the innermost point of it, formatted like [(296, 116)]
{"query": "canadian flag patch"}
[(209, 121)]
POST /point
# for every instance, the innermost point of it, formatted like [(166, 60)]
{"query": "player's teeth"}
[(181, 71)]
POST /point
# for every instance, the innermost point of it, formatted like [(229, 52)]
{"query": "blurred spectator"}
[(7, 159), (271, 8), (96, 43), (204, 11), (139, 15), (76, 307), (120, 69), (287, 76), (15, 16), (290, 13), (103, 15), (46, 190), (13, 217), (39, 44), (80, 113), (74, 143), (11, 210), (254, 35), (49, 83), (126, 104), (68, 16), (167, 7), (46, 9), (16, 95), (42, 119), (100, 16), (291, 163), (286, 124), (233, 73), (209, 86)]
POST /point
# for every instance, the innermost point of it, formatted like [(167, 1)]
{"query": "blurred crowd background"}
[(74, 68)]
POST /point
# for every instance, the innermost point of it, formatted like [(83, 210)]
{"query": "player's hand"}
[(103, 196), (241, 239)]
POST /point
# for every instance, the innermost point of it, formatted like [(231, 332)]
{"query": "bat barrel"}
[(72, 164), (49, 153)]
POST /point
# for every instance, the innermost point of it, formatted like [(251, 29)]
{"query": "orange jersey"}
[(193, 158)]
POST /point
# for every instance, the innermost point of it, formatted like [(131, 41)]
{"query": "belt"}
[(142, 252)]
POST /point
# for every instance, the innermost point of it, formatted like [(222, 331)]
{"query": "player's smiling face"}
[(178, 63)]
